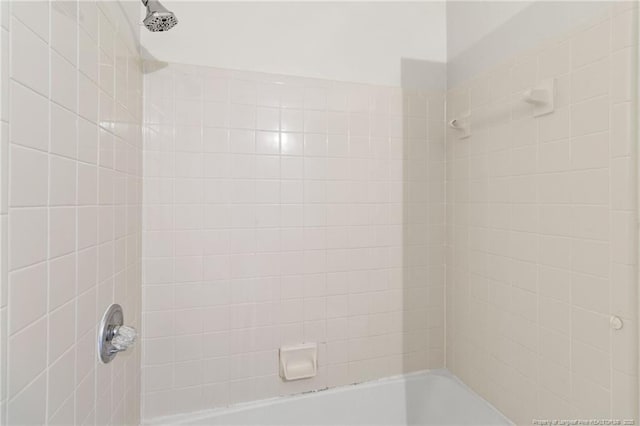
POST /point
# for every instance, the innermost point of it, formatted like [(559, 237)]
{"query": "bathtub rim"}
[(194, 416)]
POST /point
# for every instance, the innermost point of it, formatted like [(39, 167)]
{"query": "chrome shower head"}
[(158, 17)]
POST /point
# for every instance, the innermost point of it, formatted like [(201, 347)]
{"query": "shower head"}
[(158, 17)]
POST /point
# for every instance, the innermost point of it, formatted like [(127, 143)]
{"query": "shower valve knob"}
[(123, 338), (113, 335)]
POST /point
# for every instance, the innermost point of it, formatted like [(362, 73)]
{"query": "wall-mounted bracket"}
[(462, 124), (541, 97)]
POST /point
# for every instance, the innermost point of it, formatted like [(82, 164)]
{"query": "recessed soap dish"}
[(299, 361)]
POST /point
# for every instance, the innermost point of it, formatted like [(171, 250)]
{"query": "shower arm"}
[(157, 6)]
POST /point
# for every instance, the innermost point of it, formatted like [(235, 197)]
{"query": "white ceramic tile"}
[(61, 381), (591, 399), (28, 237), (28, 107), (88, 55), (622, 181), (591, 363), (578, 210), (590, 45), (590, 151), (622, 27), (35, 15), (268, 118), (87, 98), (555, 61), (589, 116), (62, 279), (64, 131), (292, 120), (64, 29), (27, 356), (47, 232), (4, 70), (267, 185), (28, 179), (28, 288), (590, 81), (590, 186), (62, 175), (64, 74), (29, 58), (62, 231), (621, 77), (623, 384), (107, 35), (620, 130), (30, 405), (555, 126), (623, 249)]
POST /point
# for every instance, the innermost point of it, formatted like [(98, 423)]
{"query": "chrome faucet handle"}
[(113, 335), (123, 338)]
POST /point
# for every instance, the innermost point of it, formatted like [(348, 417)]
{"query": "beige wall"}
[(542, 229), (71, 214), (280, 210), (348, 41)]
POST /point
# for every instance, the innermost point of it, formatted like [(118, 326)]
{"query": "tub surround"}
[(231, 212), (542, 226), (280, 210), (71, 150)]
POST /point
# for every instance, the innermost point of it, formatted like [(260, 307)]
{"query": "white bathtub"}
[(425, 398)]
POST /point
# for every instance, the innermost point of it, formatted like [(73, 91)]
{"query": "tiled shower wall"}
[(542, 229), (4, 162), (71, 208), (283, 210)]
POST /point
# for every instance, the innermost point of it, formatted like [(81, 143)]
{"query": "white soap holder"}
[(299, 361)]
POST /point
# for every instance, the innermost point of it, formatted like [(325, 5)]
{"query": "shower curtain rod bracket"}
[(541, 97)]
